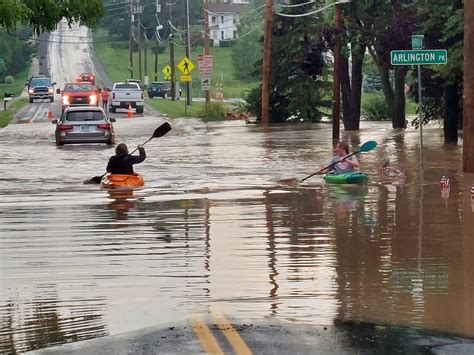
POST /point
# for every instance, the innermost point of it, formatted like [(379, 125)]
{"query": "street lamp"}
[(158, 28)]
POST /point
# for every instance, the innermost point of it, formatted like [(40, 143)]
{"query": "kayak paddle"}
[(159, 132), (366, 147)]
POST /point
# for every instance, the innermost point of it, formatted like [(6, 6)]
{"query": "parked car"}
[(125, 95), (84, 124), (78, 93), (86, 77), (159, 89), (40, 87)]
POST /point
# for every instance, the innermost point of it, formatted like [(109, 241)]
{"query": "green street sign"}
[(419, 57), (417, 42)]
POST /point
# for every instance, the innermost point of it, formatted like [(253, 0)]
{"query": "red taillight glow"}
[(104, 126), (65, 127)]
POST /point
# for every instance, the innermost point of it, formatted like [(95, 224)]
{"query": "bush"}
[(216, 112), (9, 79), (375, 108)]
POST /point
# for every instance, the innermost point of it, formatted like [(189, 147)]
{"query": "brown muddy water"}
[(215, 226)]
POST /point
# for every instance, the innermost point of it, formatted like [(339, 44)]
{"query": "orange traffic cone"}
[(50, 115), (129, 113)]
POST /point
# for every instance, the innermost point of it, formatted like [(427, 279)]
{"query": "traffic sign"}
[(167, 71), (205, 63), (185, 77), (417, 42), (186, 66), (206, 83), (419, 57)]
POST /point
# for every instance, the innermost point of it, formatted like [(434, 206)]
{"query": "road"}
[(219, 242)]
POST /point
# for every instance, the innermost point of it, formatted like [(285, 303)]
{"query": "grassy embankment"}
[(114, 55), (16, 104)]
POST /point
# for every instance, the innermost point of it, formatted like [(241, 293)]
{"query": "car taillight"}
[(65, 127), (104, 125)]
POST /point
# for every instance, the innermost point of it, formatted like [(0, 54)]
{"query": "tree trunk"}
[(387, 89), (451, 113), (398, 119), (351, 89)]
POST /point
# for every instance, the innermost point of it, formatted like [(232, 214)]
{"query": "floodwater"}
[(216, 226)]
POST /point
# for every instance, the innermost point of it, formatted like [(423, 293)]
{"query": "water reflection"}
[(214, 226)]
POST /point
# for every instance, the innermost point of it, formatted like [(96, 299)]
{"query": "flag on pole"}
[(444, 182)]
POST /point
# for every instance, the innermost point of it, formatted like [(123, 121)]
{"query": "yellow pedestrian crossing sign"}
[(186, 66), (185, 77), (167, 71)]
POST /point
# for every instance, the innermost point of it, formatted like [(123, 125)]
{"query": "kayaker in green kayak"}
[(342, 165)]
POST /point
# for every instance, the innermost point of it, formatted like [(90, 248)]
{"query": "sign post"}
[(419, 56)]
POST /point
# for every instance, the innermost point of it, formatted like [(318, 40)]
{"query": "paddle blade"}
[(367, 146), (162, 130), (94, 180)]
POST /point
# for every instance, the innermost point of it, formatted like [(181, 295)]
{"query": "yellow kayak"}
[(113, 181)]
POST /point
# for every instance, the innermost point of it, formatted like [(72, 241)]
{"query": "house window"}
[(222, 19), (213, 19), (214, 34), (222, 34)]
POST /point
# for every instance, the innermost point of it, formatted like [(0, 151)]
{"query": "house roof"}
[(226, 8)]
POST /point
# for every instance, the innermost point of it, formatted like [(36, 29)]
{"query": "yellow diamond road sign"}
[(186, 66), (167, 71)]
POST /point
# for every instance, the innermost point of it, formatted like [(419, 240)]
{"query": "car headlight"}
[(65, 100), (30, 91), (50, 91), (93, 99)]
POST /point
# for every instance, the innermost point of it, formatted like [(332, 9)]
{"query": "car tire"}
[(112, 109), (51, 99), (139, 109), (31, 100), (59, 143)]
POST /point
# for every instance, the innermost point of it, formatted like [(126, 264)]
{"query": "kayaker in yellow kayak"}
[(122, 162), (342, 165)]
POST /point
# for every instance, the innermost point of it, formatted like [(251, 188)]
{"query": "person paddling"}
[(342, 165), (122, 162)]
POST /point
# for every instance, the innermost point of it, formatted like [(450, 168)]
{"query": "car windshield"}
[(126, 86), (161, 85), (41, 82), (75, 116), (78, 87)]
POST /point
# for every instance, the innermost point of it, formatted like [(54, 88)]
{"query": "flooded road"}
[(215, 227)]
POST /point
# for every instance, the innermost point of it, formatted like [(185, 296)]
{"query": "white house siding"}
[(223, 19)]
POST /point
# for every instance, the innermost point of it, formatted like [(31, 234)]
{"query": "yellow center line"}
[(237, 343), (207, 340)]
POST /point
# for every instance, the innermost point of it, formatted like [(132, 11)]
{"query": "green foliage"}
[(247, 50), (294, 95), (216, 112), (44, 15), (14, 52), (375, 108), (9, 79)]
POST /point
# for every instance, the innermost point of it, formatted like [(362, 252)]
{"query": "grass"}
[(18, 85), (115, 57), (175, 109), (12, 107)]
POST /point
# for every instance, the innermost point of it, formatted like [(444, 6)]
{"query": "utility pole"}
[(189, 98), (173, 72), (207, 41), (267, 39), (159, 27), (468, 99), (145, 67), (139, 25), (132, 14), (336, 88)]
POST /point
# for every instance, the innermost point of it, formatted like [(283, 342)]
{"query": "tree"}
[(294, 94), (44, 15)]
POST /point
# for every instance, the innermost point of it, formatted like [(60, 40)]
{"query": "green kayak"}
[(346, 178)]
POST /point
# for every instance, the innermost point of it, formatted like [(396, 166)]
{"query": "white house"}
[(223, 20)]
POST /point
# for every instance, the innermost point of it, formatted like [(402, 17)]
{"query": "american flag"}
[(401, 174), (444, 182)]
